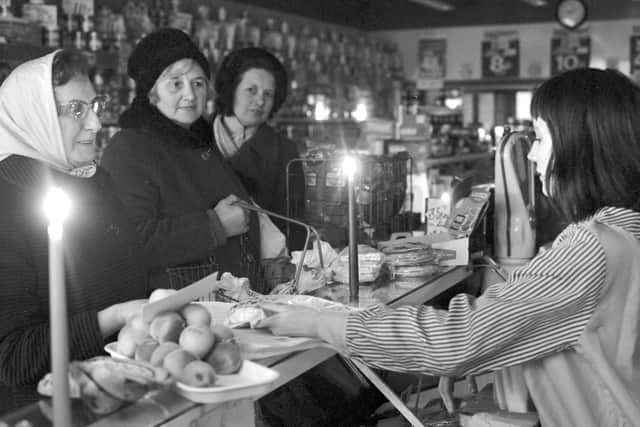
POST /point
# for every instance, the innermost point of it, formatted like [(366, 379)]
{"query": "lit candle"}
[(57, 206), (349, 168)]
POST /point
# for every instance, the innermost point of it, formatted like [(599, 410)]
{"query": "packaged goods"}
[(105, 384), (370, 262), (412, 260)]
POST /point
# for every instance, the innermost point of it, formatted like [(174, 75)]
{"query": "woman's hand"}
[(114, 317), (299, 321), (234, 219), (290, 320)]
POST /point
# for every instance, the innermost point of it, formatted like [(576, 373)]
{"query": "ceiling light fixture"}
[(442, 6), (536, 3)]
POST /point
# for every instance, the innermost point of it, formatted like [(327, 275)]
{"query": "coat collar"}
[(143, 116)]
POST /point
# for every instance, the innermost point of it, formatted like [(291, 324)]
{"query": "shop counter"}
[(167, 408)]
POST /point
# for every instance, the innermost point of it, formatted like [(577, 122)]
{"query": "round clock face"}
[(571, 13)]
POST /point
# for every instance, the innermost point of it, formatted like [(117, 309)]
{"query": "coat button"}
[(206, 155)]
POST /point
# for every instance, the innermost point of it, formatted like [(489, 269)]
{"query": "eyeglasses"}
[(79, 109)]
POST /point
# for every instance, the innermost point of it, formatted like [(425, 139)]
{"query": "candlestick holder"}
[(349, 169)]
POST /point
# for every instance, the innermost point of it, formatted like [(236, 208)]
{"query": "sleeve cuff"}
[(332, 327), (218, 233), (84, 334)]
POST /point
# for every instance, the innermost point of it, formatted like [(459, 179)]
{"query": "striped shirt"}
[(542, 308)]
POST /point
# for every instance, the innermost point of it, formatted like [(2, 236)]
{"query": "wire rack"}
[(290, 287), (184, 275)]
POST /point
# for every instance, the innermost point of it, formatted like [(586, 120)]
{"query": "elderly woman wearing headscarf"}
[(175, 185), (48, 124)]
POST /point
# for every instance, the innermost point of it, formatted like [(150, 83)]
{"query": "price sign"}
[(77, 7), (569, 51), (501, 55), (634, 57), (432, 58)]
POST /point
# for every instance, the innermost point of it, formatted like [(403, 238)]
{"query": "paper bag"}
[(273, 242)]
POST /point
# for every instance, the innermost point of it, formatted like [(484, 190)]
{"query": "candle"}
[(57, 207), (349, 167)]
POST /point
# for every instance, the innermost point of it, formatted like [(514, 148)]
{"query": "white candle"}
[(57, 208)]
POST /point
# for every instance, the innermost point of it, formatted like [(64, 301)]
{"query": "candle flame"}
[(349, 167), (57, 206)]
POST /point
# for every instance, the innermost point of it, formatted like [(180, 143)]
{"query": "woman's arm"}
[(167, 240), (542, 308), (24, 319)]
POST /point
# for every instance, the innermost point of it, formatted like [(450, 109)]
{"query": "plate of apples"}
[(202, 354)]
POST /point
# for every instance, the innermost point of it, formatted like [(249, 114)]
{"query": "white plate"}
[(252, 380)]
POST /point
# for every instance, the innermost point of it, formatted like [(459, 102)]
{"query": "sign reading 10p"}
[(569, 51)]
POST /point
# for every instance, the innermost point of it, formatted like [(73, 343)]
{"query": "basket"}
[(277, 271), (184, 275)]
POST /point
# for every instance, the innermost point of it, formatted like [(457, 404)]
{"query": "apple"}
[(198, 374), (160, 293), (136, 322), (198, 340), (226, 357), (175, 361), (128, 339), (196, 314), (221, 332), (166, 326), (158, 355), (145, 349)]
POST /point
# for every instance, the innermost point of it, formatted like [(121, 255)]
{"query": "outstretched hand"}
[(300, 321), (114, 317), (290, 320)]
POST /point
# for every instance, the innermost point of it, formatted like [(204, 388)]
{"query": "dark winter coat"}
[(261, 163), (168, 177), (102, 267)]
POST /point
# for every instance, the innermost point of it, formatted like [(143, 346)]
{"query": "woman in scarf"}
[(251, 86), (49, 117), (175, 185)]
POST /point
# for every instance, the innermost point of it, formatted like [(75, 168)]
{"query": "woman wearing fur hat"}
[(175, 185), (251, 86)]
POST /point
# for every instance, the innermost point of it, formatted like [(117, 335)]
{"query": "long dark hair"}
[(594, 120), (233, 67)]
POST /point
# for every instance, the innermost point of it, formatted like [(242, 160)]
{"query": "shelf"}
[(16, 53), (483, 85), (462, 158), (309, 121)]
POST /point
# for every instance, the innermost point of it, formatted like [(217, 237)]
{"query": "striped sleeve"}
[(542, 308)]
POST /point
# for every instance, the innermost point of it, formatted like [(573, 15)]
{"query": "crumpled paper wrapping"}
[(311, 258), (312, 277)]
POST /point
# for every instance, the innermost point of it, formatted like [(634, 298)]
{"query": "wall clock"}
[(571, 13)]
